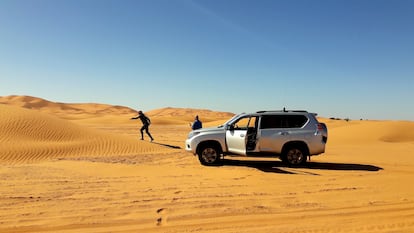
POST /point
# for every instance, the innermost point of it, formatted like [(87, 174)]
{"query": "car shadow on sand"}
[(279, 167)]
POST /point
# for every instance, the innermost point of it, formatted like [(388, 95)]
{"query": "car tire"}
[(294, 156), (209, 155)]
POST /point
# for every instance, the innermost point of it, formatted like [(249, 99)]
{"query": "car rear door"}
[(272, 134), (277, 129)]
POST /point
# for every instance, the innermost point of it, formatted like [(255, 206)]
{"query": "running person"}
[(145, 124)]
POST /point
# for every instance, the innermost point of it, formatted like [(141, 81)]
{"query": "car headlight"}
[(192, 134)]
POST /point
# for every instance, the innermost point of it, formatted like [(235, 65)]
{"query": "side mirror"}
[(230, 127)]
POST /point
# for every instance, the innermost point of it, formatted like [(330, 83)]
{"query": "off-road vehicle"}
[(290, 135)]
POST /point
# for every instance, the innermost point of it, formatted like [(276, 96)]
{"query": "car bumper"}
[(189, 147)]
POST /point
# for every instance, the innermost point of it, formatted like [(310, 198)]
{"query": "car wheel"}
[(294, 156), (209, 155)]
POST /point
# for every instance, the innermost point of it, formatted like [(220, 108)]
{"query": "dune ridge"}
[(29, 136), (65, 109), (96, 113), (190, 113)]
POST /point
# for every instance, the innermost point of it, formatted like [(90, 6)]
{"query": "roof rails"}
[(284, 110)]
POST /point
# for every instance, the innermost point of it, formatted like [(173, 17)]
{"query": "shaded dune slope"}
[(28, 136)]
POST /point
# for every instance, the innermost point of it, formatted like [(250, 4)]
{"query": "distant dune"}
[(95, 113), (362, 132), (66, 110), (184, 115)]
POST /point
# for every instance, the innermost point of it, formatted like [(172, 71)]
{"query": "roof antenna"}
[(284, 109)]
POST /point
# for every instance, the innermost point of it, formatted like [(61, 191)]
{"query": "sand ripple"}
[(29, 136)]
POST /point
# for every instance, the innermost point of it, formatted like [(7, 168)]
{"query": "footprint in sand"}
[(162, 220)]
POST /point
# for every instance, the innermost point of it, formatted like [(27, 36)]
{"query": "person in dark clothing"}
[(196, 124), (145, 124)]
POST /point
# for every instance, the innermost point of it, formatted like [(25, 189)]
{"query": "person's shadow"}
[(279, 167), (167, 145)]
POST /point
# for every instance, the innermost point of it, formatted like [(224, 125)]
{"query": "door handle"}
[(241, 135)]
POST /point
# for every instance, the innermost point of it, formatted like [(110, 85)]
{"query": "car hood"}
[(211, 129)]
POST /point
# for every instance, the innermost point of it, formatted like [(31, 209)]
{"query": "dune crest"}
[(95, 113), (65, 110)]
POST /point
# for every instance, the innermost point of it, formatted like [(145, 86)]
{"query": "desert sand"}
[(82, 168)]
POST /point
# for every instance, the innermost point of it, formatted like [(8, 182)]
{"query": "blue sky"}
[(340, 58)]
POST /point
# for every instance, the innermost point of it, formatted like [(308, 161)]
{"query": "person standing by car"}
[(196, 124), (145, 124)]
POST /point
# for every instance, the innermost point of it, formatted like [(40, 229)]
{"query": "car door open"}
[(237, 135)]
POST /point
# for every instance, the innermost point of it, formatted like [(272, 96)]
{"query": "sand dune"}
[(362, 132), (83, 170), (94, 113), (188, 114), (28, 136), (82, 110)]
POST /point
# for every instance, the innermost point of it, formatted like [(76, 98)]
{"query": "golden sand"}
[(84, 170)]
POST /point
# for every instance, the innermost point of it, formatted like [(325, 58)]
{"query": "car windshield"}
[(231, 119)]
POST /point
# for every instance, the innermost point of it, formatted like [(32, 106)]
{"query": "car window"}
[(282, 121), (252, 122), (245, 123)]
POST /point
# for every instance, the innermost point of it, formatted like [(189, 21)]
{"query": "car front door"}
[(236, 136)]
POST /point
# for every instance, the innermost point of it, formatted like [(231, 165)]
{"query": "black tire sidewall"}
[(207, 163), (288, 162)]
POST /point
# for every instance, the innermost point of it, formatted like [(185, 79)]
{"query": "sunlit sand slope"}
[(95, 113), (185, 115), (71, 111), (28, 135), (363, 132)]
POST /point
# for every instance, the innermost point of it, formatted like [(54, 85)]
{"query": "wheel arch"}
[(209, 142), (298, 144)]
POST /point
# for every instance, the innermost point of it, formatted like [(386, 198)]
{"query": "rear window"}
[(283, 121)]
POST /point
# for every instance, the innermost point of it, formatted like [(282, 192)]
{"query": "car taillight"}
[(320, 126)]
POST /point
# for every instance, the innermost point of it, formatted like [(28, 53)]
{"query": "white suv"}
[(289, 135)]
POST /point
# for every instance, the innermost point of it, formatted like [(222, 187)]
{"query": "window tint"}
[(282, 121), (245, 123), (242, 123)]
